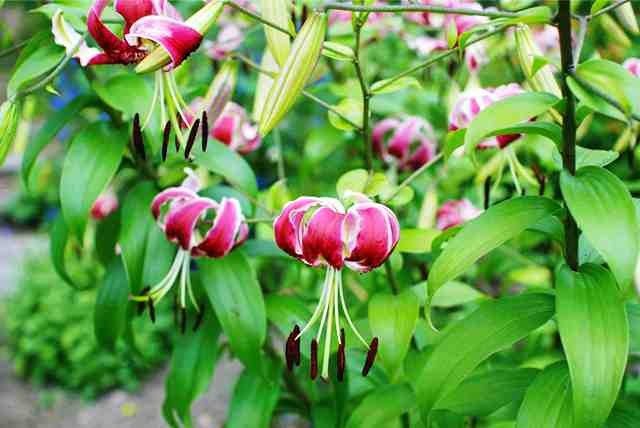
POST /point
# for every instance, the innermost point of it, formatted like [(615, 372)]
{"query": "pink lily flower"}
[(229, 39), (201, 227), (633, 66), (473, 101), (456, 212), (425, 45), (437, 20), (410, 145), (321, 232), (105, 205), (235, 129)]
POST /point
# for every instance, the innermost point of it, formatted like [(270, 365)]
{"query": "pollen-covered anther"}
[(371, 356), (292, 348), (152, 310), (199, 318), (341, 357), (136, 137), (313, 370), (141, 305), (192, 138), (166, 134), (204, 122)]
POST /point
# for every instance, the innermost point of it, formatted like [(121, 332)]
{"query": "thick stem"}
[(568, 125), (412, 7), (366, 99)]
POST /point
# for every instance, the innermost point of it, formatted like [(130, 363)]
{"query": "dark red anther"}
[(138, 144), (290, 351), (152, 310), (314, 360), (192, 138), (342, 362), (199, 318), (183, 320), (205, 130), (166, 134), (487, 193), (297, 361), (371, 356)]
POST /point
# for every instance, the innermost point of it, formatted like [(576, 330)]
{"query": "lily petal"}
[(64, 35), (182, 219), (172, 194), (322, 239), (287, 225), (132, 10), (222, 237), (380, 131), (105, 38), (177, 38)]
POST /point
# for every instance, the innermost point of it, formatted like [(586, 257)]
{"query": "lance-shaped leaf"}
[(547, 402), (9, 117), (494, 227), (595, 336), (91, 161), (492, 327), (59, 238), (279, 13), (117, 93), (221, 160), (236, 297), (382, 406), (110, 312), (604, 210), (295, 72)]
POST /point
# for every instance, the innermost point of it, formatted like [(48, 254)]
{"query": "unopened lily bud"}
[(614, 32), (541, 80), (221, 90), (200, 21), (295, 72), (627, 18), (278, 12), (263, 86)]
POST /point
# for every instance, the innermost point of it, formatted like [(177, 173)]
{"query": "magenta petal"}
[(322, 239), (103, 36), (223, 129), (164, 8), (402, 138), (223, 234), (379, 132), (169, 195), (286, 226), (132, 10), (177, 38), (374, 232), (102, 58), (182, 220)]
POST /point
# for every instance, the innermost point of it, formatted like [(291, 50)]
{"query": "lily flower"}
[(321, 232), (236, 130), (461, 23), (410, 145), (201, 227), (456, 212)]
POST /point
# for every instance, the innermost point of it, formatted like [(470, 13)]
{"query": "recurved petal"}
[(225, 232), (182, 220), (380, 131), (287, 225), (177, 38), (170, 195), (403, 137), (372, 232), (103, 36), (322, 238), (132, 10), (65, 36)]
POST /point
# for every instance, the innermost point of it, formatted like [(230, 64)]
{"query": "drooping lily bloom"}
[(321, 232), (201, 227), (229, 38), (473, 101), (106, 204), (633, 66), (475, 56), (235, 129), (455, 212), (409, 143)]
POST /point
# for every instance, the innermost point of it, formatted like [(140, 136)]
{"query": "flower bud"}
[(295, 72), (627, 17), (278, 12), (106, 204), (200, 21), (263, 86), (221, 89), (541, 80)]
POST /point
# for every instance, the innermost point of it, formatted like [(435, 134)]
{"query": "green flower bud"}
[(295, 72), (541, 78), (278, 12), (627, 18), (221, 89)]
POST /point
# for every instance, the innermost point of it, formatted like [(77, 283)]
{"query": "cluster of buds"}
[(321, 232), (201, 227), (473, 101), (542, 79), (407, 144), (455, 212)]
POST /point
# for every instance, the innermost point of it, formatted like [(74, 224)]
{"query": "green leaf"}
[(393, 320), (595, 194), (349, 108), (588, 157), (624, 415), (416, 240), (454, 293), (106, 238), (549, 130), (59, 237), (492, 327), (483, 393), (382, 406), (116, 92), (494, 227), (353, 181), (595, 336), (593, 101), (9, 118), (533, 15), (48, 131), (254, 398), (234, 168), (110, 312), (453, 140), (597, 5), (547, 402), (38, 57), (91, 161), (192, 364), (146, 253), (286, 311), (633, 313), (505, 113), (263, 248), (236, 297), (386, 86)]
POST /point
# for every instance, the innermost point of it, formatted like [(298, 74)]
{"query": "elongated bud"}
[(613, 31), (278, 12), (220, 90), (295, 72), (201, 21), (541, 79), (9, 116), (264, 84), (627, 17)]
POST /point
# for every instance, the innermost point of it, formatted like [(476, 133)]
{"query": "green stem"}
[(260, 220), (280, 155), (606, 97), (366, 99), (568, 125), (417, 8), (393, 283), (606, 9), (13, 48), (259, 18)]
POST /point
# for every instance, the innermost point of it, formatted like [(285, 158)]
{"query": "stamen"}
[(346, 312), (487, 192), (191, 139), (327, 337), (314, 359), (371, 356), (165, 140), (199, 319), (152, 310), (290, 350), (316, 312), (342, 362), (205, 131), (138, 143)]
